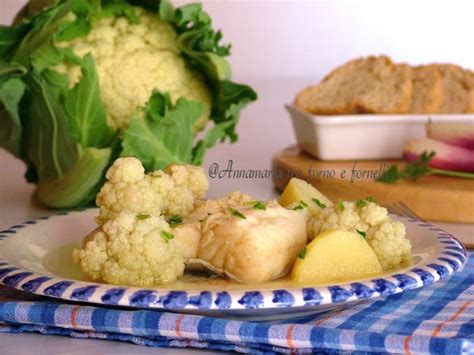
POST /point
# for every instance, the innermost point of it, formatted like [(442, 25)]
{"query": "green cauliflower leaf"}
[(162, 132)]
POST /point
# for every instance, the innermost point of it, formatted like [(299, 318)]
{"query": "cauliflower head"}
[(132, 60), (131, 249), (173, 191), (386, 236)]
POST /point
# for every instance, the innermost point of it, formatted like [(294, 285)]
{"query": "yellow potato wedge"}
[(336, 256), (299, 190)]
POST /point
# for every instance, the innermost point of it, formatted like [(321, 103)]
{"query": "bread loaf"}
[(376, 85), (372, 84)]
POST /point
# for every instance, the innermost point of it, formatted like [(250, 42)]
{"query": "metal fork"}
[(401, 209)]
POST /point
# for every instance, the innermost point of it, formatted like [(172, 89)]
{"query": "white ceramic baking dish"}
[(367, 136)]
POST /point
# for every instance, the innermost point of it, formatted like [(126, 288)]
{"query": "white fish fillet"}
[(261, 247)]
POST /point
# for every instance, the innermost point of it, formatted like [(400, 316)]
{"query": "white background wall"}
[(281, 46), (300, 38), (304, 38)]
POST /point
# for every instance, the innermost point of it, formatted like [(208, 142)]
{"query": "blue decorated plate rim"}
[(452, 258)]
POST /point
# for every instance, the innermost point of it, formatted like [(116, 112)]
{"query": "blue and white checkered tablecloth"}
[(438, 319)]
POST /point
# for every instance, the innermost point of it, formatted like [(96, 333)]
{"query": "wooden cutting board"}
[(433, 198)]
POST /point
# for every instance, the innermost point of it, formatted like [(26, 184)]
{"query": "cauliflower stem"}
[(75, 187)]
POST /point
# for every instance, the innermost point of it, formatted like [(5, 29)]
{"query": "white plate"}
[(368, 136), (35, 257)]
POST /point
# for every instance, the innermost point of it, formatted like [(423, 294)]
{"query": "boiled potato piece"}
[(336, 256), (299, 190)]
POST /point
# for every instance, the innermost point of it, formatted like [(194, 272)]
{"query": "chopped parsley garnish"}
[(340, 204), (302, 253), (361, 203), (175, 220), (259, 205), (361, 233), (237, 213), (371, 199), (141, 217), (167, 236), (156, 176), (319, 203), (300, 206)]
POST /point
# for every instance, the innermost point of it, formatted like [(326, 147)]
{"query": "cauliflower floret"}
[(94, 254), (386, 237), (190, 182), (170, 192), (134, 59), (373, 214), (126, 170), (343, 216), (133, 250), (389, 242)]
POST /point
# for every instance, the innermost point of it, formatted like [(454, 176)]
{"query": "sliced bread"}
[(391, 91), (372, 84), (457, 86), (470, 106), (427, 90)]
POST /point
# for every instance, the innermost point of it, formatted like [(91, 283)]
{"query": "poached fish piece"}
[(187, 236), (249, 244)]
